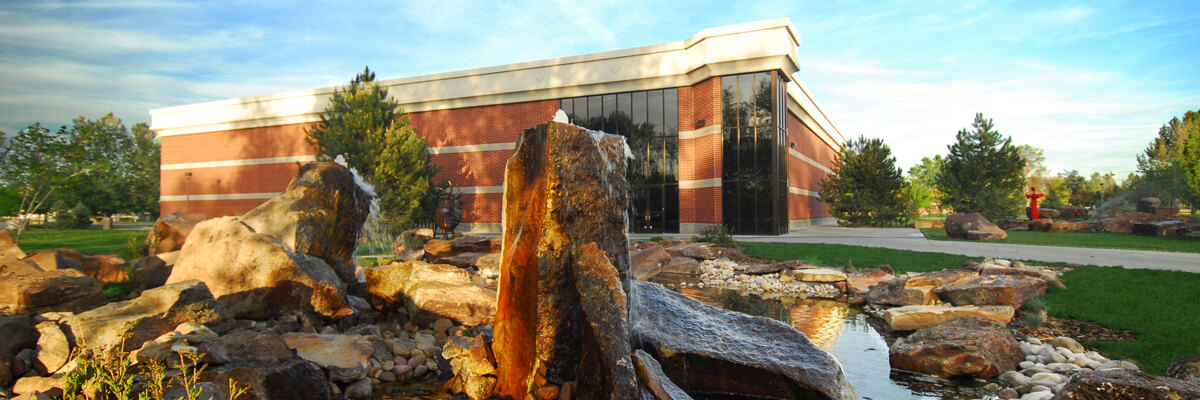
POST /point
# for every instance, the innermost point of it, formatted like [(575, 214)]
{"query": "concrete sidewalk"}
[(913, 239)]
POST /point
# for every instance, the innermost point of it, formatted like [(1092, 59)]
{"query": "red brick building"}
[(721, 130)]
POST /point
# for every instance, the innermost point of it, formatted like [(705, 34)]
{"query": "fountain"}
[(563, 319)]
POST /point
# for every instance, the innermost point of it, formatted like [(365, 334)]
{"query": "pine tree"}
[(368, 129), (866, 187), (984, 173)]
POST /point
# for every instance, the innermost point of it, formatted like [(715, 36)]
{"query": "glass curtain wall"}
[(649, 120), (754, 161)]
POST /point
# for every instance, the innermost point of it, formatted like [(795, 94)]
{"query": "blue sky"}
[(1089, 83)]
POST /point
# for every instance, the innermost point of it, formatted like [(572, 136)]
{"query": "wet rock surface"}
[(728, 352), (969, 346), (564, 188), (655, 380)]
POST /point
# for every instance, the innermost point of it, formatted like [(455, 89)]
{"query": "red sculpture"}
[(1033, 199)]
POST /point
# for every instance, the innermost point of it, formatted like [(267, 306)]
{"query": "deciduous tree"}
[(984, 172), (37, 164)]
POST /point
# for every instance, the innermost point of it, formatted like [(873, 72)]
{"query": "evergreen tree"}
[(984, 173), (369, 131), (866, 187), (1170, 165)]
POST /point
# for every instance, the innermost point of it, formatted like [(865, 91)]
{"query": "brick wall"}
[(700, 158), (804, 175)]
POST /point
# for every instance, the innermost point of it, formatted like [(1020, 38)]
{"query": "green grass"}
[(93, 241), (1092, 240), (840, 255), (1158, 305)]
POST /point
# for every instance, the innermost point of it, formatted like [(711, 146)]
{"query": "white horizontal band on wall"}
[(699, 133), (254, 196), (237, 163), (700, 183), (478, 189), (803, 192), (808, 160), (471, 148), (225, 196)]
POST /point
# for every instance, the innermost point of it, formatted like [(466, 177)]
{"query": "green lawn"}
[(93, 241), (1158, 305), (840, 255), (1093, 240)]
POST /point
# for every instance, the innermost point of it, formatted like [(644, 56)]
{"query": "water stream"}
[(846, 333)]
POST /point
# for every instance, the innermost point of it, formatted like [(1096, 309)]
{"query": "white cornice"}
[(756, 46)]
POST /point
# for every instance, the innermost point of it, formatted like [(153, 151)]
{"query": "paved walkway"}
[(912, 239)]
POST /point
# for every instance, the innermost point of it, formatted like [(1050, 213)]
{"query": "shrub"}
[(656, 239), (715, 234), (78, 217)]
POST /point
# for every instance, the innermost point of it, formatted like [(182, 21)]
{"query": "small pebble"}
[(420, 370)]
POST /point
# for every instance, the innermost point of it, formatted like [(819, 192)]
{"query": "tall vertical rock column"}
[(562, 313)]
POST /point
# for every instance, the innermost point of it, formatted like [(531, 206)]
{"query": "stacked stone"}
[(1048, 366)]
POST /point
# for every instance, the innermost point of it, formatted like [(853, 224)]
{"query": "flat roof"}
[(726, 50)]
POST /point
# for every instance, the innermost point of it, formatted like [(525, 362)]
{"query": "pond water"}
[(846, 333)]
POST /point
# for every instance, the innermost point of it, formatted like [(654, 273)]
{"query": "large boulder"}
[(53, 348), (971, 346), (255, 275), (431, 291), (1160, 228), (1076, 226), (293, 378), (105, 267), (909, 318), (646, 263), (705, 349), (8, 247), (171, 232), (155, 312), (992, 290), (1148, 204), (321, 214), (1041, 224), (1125, 384), (960, 225), (345, 357), (653, 378), (25, 288), (564, 190), (1187, 369), (152, 271), (1072, 212), (19, 334), (915, 289)]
